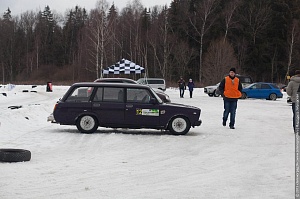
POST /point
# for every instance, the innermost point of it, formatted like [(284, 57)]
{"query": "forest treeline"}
[(198, 39)]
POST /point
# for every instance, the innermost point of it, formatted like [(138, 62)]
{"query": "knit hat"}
[(232, 69)]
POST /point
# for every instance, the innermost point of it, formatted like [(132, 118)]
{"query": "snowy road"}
[(256, 160)]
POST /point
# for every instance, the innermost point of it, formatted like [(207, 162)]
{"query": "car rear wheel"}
[(87, 124), (179, 125), (210, 94), (244, 96), (273, 96)]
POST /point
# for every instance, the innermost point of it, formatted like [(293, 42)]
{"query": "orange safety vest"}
[(231, 89)]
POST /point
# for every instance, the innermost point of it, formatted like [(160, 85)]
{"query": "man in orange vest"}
[(231, 90)]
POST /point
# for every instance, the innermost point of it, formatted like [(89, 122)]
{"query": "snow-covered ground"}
[(256, 160)]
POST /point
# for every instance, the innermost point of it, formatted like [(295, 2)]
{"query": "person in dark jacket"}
[(231, 90), (182, 86), (191, 86), (291, 90)]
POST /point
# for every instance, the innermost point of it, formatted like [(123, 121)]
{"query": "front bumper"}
[(197, 123)]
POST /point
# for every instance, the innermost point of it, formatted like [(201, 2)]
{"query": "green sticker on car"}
[(147, 112)]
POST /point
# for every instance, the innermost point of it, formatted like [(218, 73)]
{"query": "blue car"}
[(262, 90)]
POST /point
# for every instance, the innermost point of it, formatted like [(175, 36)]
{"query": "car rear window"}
[(155, 81), (80, 94)]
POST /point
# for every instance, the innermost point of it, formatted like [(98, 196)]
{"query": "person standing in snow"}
[(291, 90), (182, 86), (231, 90), (191, 86)]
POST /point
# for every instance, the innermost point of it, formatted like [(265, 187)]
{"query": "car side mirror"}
[(153, 101)]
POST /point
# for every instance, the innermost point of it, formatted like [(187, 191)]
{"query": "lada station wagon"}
[(122, 105)]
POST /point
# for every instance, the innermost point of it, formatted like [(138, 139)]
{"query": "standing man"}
[(191, 86), (292, 89), (231, 90), (181, 85)]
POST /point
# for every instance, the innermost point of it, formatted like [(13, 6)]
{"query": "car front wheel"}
[(87, 124), (273, 96), (179, 125), (210, 94)]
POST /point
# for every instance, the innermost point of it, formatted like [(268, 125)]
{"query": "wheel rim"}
[(179, 125), (273, 97), (87, 123)]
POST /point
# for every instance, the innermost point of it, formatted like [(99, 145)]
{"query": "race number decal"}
[(147, 112)]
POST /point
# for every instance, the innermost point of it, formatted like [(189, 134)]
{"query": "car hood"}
[(181, 105), (214, 86)]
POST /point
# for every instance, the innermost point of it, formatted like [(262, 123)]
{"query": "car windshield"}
[(249, 86), (156, 96)]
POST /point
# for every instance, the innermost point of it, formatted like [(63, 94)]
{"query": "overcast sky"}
[(19, 6)]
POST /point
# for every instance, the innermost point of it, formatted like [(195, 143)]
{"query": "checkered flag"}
[(124, 67)]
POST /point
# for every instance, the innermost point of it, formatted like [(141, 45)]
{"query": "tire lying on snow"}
[(14, 155)]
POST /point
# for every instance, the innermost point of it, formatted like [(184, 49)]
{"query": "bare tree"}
[(257, 17), (218, 59), (99, 35), (203, 12), (27, 23), (160, 42), (228, 14), (293, 37), (182, 55)]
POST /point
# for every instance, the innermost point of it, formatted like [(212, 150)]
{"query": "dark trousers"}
[(293, 109), (191, 94), (229, 107), (181, 92)]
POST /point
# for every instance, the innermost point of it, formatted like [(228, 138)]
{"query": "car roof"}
[(114, 79), (123, 85), (152, 78)]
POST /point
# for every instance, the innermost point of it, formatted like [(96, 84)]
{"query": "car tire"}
[(87, 124), (244, 95), (210, 94), (216, 94), (273, 96), (179, 125), (14, 155)]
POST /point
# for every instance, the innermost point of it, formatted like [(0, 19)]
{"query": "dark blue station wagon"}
[(121, 105)]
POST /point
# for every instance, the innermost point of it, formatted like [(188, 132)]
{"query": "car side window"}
[(265, 86), (80, 94), (99, 95), (135, 95), (256, 86), (111, 94)]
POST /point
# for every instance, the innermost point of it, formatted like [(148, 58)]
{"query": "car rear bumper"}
[(51, 119)]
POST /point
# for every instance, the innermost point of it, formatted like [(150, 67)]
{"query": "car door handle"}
[(129, 105)]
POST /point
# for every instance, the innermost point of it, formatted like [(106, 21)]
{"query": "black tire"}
[(179, 125), (210, 94), (273, 96), (14, 155), (244, 96), (87, 124), (216, 94)]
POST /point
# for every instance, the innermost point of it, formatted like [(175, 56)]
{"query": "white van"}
[(158, 83)]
